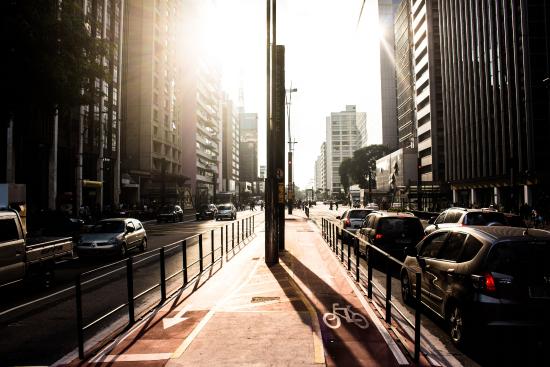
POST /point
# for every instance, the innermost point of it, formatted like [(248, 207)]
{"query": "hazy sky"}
[(329, 59)]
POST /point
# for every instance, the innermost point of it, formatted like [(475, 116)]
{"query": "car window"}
[(527, 262), (138, 224), (109, 227), (440, 218), (471, 248), (453, 216), (432, 245), (8, 230), (130, 225), (344, 214), (397, 226), (484, 218), (452, 247), (358, 214)]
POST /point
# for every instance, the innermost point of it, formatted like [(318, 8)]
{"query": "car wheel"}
[(457, 324), (406, 289), (143, 245)]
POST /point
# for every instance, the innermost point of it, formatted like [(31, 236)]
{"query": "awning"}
[(92, 184)]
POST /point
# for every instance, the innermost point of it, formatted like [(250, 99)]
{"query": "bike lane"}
[(352, 333)]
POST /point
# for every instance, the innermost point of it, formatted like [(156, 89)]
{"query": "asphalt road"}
[(38, 317), (494, 348)]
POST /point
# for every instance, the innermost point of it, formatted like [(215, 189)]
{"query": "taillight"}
[(378, 236), (347, 223), (489, 282)]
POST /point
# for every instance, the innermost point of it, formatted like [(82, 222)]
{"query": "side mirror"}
[(338, 217), (432, 220)]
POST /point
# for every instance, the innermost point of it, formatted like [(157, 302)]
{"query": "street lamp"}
[(290, 149)]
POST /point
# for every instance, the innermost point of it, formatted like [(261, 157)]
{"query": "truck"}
[(19, 255)]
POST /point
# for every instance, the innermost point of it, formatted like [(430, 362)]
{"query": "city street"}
[(513, 349), (39, 329)]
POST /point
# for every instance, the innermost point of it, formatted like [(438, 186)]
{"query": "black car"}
[(170, 213), (206, 211), (482, 276), (391, 232)]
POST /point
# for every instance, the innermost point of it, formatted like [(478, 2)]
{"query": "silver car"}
[(352, 220), (112, 236), (226, 211)]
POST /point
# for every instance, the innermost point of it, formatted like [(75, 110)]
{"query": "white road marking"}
[(171, 321), (132, 357)]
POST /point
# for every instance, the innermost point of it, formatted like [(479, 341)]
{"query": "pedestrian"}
[(261, 206), (336, 205)]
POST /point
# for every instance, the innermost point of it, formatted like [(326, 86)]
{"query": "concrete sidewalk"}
[(250, 314)]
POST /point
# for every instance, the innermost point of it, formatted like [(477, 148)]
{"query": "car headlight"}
[(113, 241)]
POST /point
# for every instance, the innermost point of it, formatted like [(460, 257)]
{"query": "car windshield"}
[(167, 209), (358, 214), (392, 227), (527, 262), (484, 218), (109, 227), (204, 207), (224, 207)]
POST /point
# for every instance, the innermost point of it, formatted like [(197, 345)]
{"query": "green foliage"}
[(355, 170), (51, 55)]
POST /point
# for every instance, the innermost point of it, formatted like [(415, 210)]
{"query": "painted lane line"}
[(253, 305), (132, 357), (171, 321), (187, 342)]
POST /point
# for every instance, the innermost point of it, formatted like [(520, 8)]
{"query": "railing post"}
[(201, 265), (162, 276), (349, 254), (417, 316), (184, 261), (370, 256), (388, 289), (341, 244), (238, 235), (79, 317), (357, 258), (253, 224), (212, 246), (130, 288), (226, 238), (232, 235), (221, 241), (242, 229)]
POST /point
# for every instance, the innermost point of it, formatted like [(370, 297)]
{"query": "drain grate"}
[(264, 299)]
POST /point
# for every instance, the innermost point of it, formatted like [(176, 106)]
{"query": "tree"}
[(345, 171)]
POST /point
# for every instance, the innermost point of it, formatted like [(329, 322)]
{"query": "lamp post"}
[(290, 150)]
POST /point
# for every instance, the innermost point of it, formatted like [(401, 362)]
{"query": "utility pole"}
[(290, 152)]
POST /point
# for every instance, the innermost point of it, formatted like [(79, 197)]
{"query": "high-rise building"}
[(495, 101), (386, 10), (263, 173), (344, 136), (404, 75), (230, 146), (427, 100), (152, 116), (249, 147), (320, 176)]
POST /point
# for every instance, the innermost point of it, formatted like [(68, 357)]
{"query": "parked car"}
[(56, 223), (226, 211), (206, 211), (20, 255), (115, 236), (351, 220), (171, 213), (454, 217), (482, 276), (391, 232)]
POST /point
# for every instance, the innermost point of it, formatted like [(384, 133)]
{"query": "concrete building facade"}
[(230, 146), (249, 147)]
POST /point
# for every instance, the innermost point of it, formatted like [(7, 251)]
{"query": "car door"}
[(427, 255), (12, 250), (444, 268), (130, 234), (140, 232)]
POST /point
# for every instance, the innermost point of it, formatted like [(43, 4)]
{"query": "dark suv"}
[(171, 213), (482, 276), (206, 211), (391, 232), (455, 217)]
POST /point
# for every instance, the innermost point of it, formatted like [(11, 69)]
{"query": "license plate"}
[(539, 291)]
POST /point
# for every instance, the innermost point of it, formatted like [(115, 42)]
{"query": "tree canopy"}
[(355, 170)]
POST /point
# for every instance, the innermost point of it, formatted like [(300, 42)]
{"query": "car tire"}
[(406, 289), (457, 324), (143, 245)]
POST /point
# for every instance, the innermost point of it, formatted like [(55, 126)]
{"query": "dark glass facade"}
[(495, 100)]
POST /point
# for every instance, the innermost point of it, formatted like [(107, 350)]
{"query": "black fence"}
[(184, 260), (333, 235)]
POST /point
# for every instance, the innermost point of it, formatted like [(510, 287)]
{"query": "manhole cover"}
[(264, 299)]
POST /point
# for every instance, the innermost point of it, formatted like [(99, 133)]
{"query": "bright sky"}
[(329, 59)]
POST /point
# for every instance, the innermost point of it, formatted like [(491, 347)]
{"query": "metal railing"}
[(245, 228), (333, 234)]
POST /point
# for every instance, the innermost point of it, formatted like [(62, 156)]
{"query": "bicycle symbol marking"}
[(332, 319)]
